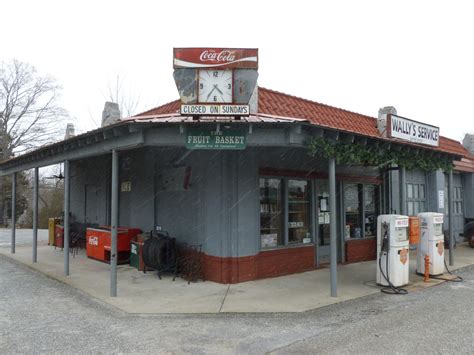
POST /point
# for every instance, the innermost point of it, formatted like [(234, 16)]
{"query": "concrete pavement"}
[(145, 293), (40, 315)]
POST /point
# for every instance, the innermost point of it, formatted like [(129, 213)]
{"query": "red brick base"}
[(361, 250), (265, 264)]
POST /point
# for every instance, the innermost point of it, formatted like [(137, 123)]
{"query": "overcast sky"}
[(358, 55)]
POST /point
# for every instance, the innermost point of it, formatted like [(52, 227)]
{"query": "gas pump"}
[(431, 243), (392, 251)]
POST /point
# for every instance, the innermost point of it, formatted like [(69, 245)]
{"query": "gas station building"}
[(256, 201)]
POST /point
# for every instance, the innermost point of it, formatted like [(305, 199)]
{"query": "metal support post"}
[(13, 241), (314, 209), (333, 225), (67, 186), (451, 218), (114, 222), (35, 215), (403, 190)]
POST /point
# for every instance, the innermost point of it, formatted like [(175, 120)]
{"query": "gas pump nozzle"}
[(386, 237)]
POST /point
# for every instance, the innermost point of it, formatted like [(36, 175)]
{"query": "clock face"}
[(215, 86)]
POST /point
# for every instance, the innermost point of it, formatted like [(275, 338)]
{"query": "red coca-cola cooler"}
[(98, 243)]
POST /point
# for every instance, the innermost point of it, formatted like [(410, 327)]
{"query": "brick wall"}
[(265, 264), (361, 250)]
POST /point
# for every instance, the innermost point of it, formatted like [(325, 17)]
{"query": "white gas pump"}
[(431, 243), (392, 250)]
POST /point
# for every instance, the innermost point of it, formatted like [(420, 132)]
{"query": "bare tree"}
[(29, 112), (121, 93), (29, 117)]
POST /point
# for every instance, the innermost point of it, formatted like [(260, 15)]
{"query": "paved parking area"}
[(41, 315), (22, 237), (145, 294)]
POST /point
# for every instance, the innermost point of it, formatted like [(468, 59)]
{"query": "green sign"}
[(231, 140)]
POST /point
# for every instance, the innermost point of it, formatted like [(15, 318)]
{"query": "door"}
[(322, 220), (458, 205), (91, 205)]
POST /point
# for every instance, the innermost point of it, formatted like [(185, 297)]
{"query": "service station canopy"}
[(260, 130)]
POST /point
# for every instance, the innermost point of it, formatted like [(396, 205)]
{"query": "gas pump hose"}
[(391, 289), (456, 279)]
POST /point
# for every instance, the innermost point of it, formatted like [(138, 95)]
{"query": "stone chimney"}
[(253, 102), (468, 142), (111, 114), (70, 131), (382, 119)]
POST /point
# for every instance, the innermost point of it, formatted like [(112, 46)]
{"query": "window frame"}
[(285, 212)]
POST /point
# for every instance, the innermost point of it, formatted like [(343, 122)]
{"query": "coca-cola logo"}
[(222, 56)]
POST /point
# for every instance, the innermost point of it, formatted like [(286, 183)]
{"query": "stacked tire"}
[(159, 253), (469, 233)]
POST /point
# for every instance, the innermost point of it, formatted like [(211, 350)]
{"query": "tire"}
[(469, 233)]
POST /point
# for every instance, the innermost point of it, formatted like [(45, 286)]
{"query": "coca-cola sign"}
[(215, 58)]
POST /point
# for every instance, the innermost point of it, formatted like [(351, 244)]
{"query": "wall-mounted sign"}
[(412, 131), (222, 140), (221, 110), (440, 199), (126, 186), (215, 58)]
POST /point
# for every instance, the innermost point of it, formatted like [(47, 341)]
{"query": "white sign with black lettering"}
[(413, 131), (215, 110), (440, 199)]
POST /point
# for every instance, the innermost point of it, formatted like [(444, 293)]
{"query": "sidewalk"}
[(145, 293)]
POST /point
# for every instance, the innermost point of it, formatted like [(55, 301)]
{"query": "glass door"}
[(323, 218)]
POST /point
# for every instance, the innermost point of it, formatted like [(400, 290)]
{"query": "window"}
[(298, 211), (458, 200), (352, 209), (361, 204), (271, 212), (416, 196), (371, 209)]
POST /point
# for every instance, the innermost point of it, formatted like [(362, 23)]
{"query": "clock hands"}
[(210, 92), (215, 87)]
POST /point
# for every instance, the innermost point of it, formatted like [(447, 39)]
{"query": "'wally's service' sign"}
[(413, 131)]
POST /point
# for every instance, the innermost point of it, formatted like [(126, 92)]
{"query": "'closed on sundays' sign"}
[(416, 132)]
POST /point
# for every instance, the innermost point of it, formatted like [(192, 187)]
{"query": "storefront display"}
[(271, 212), (298, 212)]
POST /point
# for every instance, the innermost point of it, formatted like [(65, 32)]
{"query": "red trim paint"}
[(265, 264), (364, 249)]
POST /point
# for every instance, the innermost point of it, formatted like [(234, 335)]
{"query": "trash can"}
[(52, 222), (58, 236), (136, 255)]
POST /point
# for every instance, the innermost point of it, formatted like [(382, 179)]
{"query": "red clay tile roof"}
[(464, 165), (275, 103)]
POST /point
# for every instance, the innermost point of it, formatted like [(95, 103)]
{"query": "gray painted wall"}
[(434, 182), (91, 176), (220, 210)]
